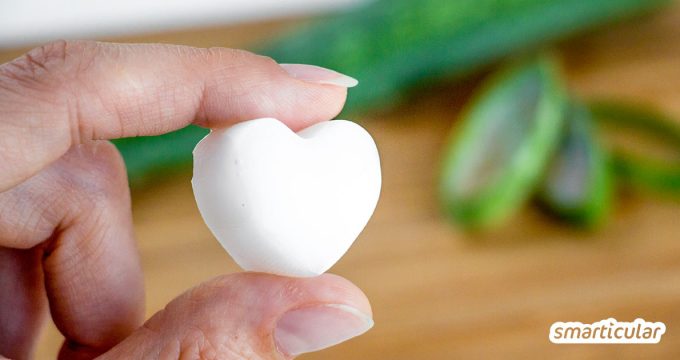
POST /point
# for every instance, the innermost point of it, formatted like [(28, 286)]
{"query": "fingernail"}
[(314, 328), (319, 75)]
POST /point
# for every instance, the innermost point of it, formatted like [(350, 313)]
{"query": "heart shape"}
[(286, 203)]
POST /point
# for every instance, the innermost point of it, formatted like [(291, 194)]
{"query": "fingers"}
[(252, 316), (67, 93), (22, 302), (79, 209)]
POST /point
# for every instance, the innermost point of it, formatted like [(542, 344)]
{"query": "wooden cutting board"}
[(438, 293)]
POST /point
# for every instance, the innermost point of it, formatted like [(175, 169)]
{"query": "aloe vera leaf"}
[(641, 171), (393, 45), (578, 183), (508, 135)]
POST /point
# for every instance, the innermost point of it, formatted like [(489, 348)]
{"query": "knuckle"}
[(210, 343), (48, 55), (40, 61), (85, 183), (48, 67), (199, 336), (25, 218), (197, 344)]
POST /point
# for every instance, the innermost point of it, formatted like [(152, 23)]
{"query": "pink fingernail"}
[(319, 75), (314, 328)]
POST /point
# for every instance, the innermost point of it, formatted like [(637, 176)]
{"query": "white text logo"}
[(607, 331)]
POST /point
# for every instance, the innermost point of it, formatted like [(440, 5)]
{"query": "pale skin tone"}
[(66, 238)]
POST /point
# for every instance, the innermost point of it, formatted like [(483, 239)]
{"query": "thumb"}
[(251, 316)]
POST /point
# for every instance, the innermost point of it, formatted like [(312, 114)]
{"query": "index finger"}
[(66, 93)]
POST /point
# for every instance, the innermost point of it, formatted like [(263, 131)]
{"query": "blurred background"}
[(438, 290)]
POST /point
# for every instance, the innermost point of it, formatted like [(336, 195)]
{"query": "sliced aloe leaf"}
[(578, 184), (646, 170), (508, 134)]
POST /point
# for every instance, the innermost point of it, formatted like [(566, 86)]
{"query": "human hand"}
[(66, 238)]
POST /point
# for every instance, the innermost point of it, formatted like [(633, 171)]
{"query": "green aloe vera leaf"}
[(651, 171), (391, 46), (577, 185), (509, 132)]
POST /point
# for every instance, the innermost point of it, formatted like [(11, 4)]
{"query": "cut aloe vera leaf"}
[(650, 158), (509, 132), (578, 184)]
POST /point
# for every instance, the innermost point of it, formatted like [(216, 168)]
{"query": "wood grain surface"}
[(438, 293)]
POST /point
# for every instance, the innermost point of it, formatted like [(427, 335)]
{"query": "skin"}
[(66, 239)]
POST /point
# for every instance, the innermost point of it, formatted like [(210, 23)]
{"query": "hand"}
[(66, 238)]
